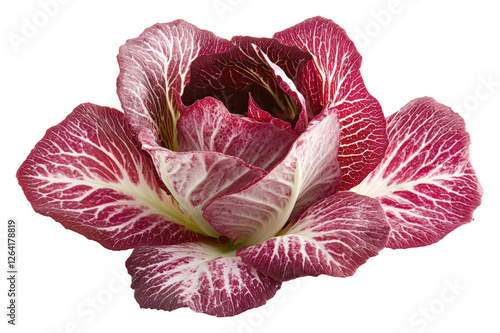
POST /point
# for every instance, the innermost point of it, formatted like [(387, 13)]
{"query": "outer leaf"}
[(199, 276), (426, 183), (197, 178), (307, 174), (333, 77), (89, 174), (208, 126), (334, 236), (154, 69)]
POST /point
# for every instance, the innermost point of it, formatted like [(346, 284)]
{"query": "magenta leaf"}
[(334, 236), (425, 183), (289, 58), (208, 126), (197, 178), (308, 173), (300, 120), (332, 78), (255, 112), (243, 70), (200, 276), (154, 69), (89, 174)]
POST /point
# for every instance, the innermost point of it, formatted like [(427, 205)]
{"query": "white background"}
[(445, 49)]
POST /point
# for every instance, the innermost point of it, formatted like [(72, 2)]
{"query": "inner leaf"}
[(234, 75)]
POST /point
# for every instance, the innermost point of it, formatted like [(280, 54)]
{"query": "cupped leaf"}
[(289, 58), (197, 178), (89, 174), (197, 275), (154, 69), (334, 236), (301, 118), (208, 126), (308, 173), (245, 69), (425, 183), (333, 77)]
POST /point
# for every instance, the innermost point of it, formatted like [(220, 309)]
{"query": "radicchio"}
[(238, 165)]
